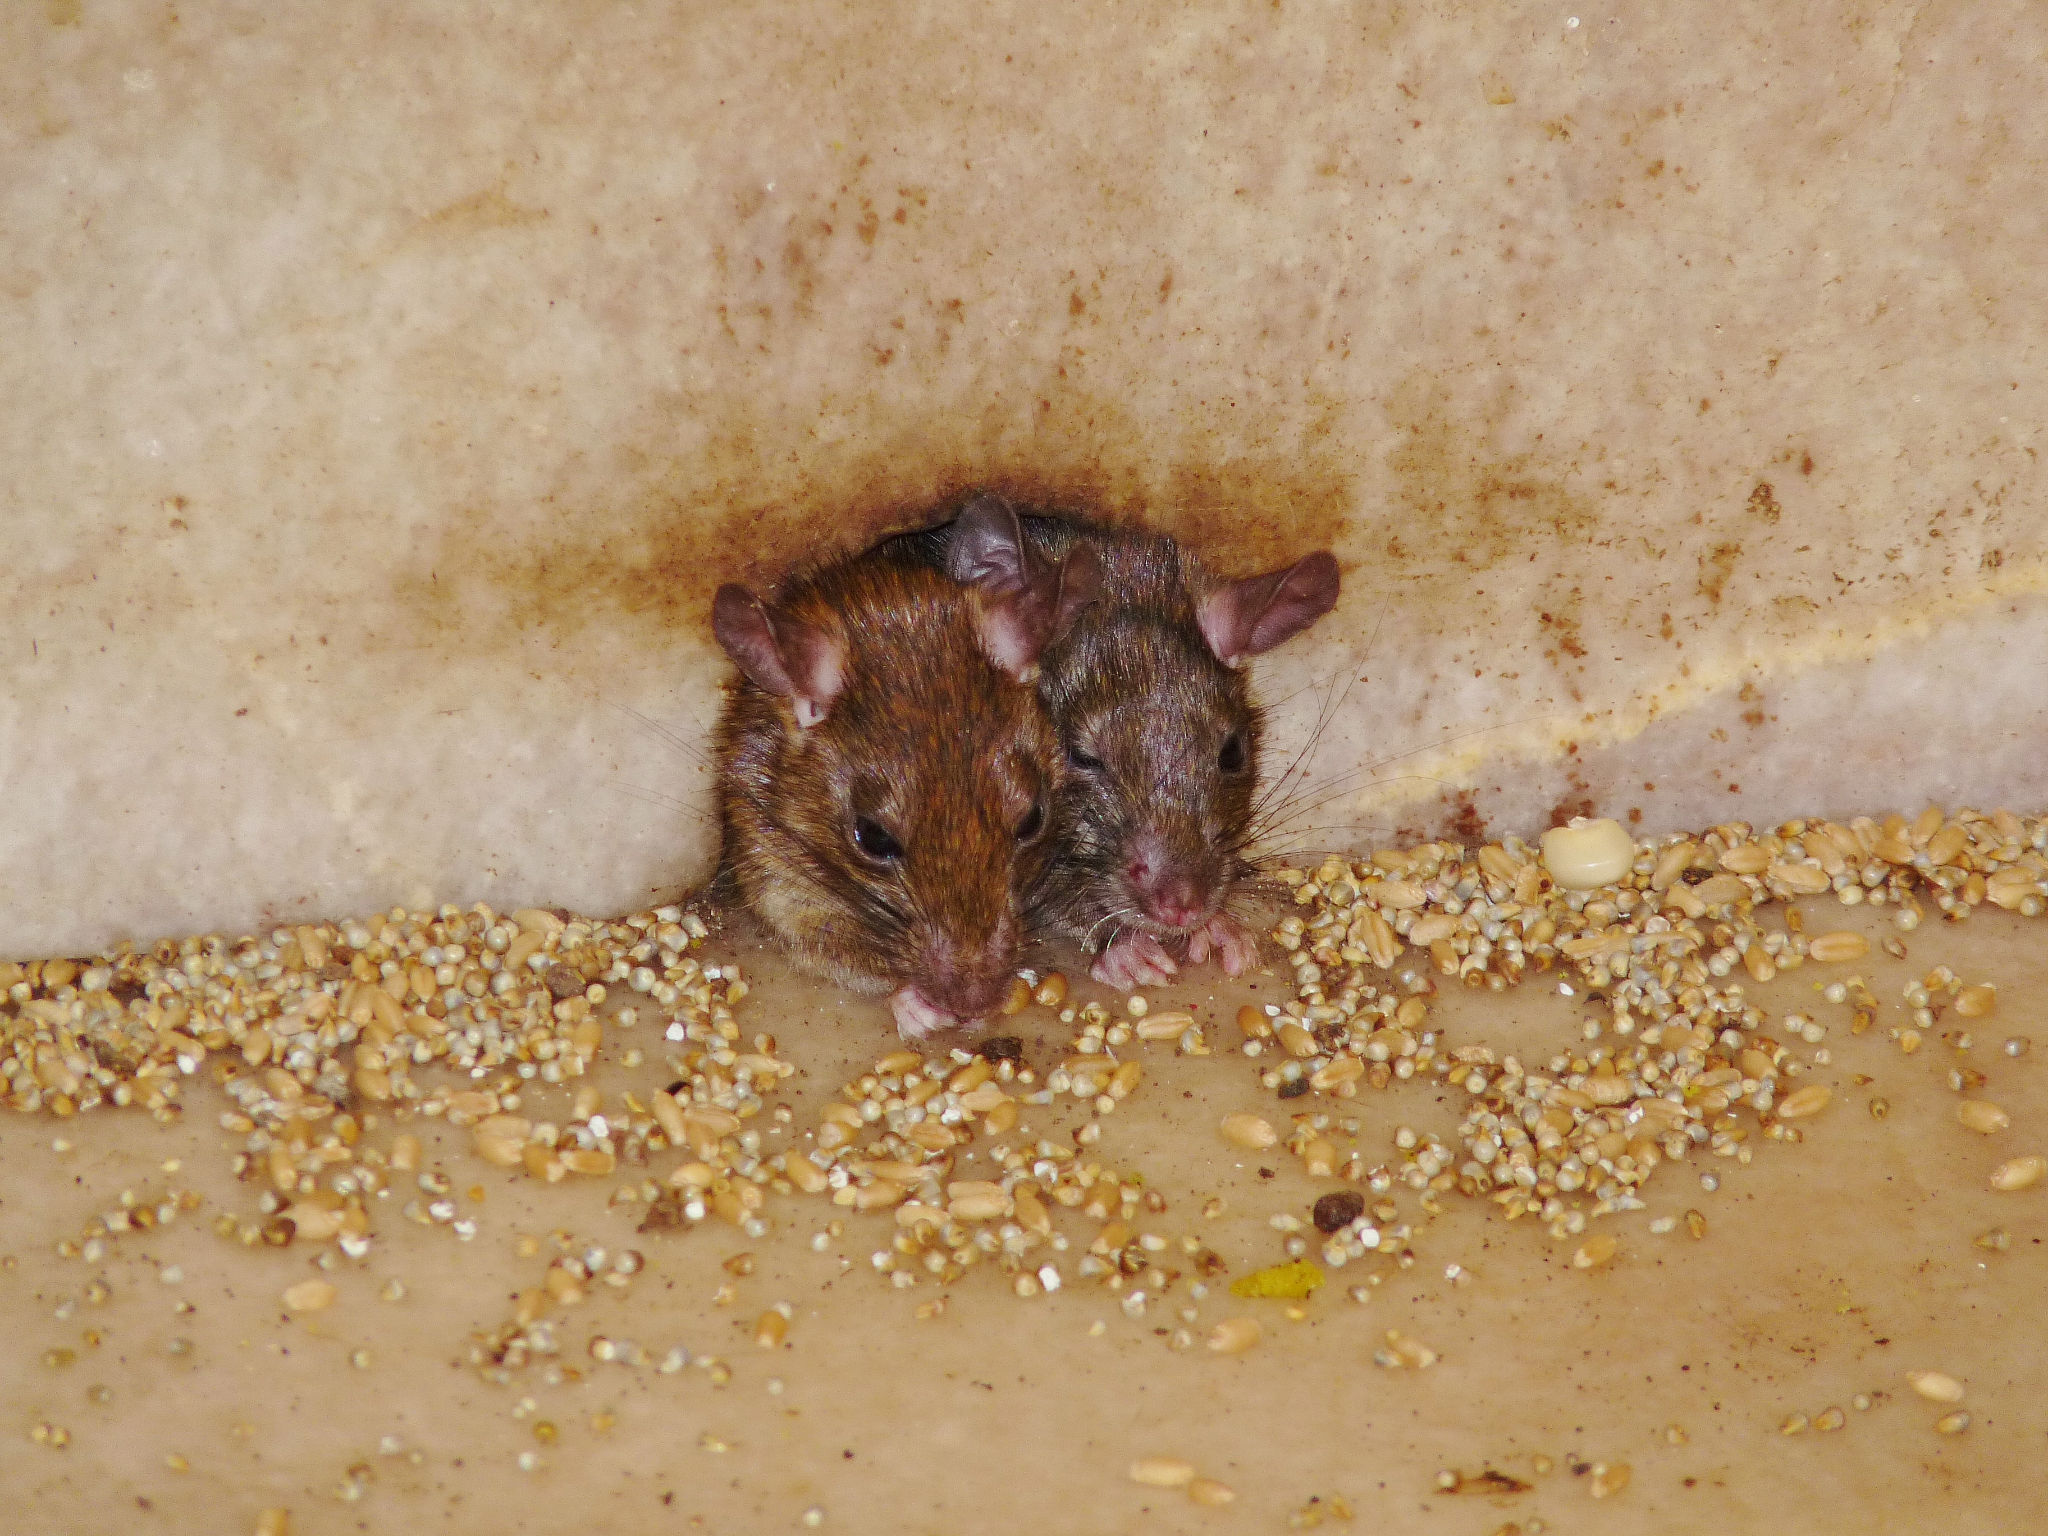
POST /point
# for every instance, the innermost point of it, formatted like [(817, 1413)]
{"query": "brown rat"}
[(886, 773), (1161, 735)]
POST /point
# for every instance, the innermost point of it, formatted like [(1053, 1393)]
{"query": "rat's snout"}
[(967, 992), (1166, 882), (968, 980)]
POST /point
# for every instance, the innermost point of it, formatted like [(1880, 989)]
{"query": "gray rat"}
[(887, 774), (1160, 732)]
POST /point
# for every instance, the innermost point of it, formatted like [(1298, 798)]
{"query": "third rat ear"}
[(1026, 602), (779, 653), (986, 547), (1250, 616)]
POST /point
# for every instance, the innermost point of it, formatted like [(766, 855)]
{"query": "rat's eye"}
[(1081, 758), (1032, 824), (1232, 758), (875, 840)]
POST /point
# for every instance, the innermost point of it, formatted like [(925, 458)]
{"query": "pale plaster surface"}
[(384, 389)]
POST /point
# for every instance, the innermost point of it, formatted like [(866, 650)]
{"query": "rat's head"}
[(1162, 737), (891, 792)]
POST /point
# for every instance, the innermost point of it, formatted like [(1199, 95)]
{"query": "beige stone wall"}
[(384, 388)]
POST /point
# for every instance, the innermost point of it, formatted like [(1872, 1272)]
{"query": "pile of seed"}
[(322, 1034), (328, 1039), (574, 1271), (331, 1042), (899, 1137), (1675, 1062)]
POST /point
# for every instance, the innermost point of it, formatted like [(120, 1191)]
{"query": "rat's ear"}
[(1080, 583), (1026, 602), (778, 653), (1248, 617), (986, 546)]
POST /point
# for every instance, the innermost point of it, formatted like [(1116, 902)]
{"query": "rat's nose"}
[(1173, 901), (969, 980), (969, 997), (1165, 887)]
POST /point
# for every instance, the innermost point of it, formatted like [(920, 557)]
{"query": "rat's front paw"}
[(915, 1018), (1136, 959), (1232, 943)]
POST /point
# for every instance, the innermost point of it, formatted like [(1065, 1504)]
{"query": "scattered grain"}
[(1976, 1002), (1801, 1102), (1162, 1472), (1837, 948), (1935, 1386), (1168, 1025), (1249, 1131), (1594, 1252), (1608, 1478), (1587, 853), (2019, 1172), (1982, 1116), (309, 1295), (1235, 1335)]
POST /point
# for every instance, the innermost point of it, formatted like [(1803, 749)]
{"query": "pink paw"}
[(916, 1018), (1135, 959), (1235, 948)]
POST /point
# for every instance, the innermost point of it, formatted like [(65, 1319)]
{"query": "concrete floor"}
[(1827, 1269)]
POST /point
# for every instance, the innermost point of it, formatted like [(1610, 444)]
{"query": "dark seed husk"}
[(1337, 1210)]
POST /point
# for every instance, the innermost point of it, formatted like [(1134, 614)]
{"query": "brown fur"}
[(928, 738), (1138, 684), (1134, 685)]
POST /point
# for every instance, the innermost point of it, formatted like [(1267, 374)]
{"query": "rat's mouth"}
[(1177, 925)]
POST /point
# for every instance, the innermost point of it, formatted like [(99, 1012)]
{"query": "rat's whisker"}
[(1116, 917), (1326, 712), (656, 797), (1335, 786), (687, 746)]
